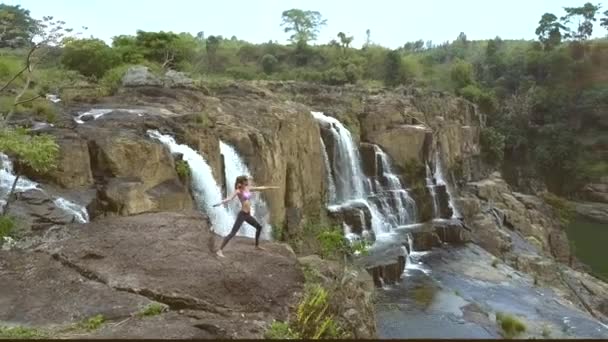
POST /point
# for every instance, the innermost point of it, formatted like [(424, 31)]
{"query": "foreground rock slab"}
[(38, 290), (116, 266)]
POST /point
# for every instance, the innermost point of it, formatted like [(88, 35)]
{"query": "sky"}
[(391, 22)]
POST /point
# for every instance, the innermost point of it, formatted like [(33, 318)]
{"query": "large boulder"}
[(136, 174), (140, 76)]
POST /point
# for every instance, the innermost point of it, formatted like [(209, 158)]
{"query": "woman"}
[(243, 191)]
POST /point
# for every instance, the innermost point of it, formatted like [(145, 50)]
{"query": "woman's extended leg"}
[(258, 228), (235, 228)]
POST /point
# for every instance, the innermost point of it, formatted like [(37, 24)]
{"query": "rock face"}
[(134, 173), (593, 210), (503, 211), (38, 290), (139, 76), (116, 266)]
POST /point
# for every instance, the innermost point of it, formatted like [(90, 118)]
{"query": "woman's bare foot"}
[(260, 248), (220, 254)]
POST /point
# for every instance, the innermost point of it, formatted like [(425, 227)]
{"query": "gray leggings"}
[(240, 218)]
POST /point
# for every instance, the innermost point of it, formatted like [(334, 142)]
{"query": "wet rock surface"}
[(458, 292)]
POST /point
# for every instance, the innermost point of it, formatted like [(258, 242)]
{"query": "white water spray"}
[(440, 179), (391, 205), (7, 178), (204, 187), (235, 166)]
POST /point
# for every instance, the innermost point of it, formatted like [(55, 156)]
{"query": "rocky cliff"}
[(143, 232)]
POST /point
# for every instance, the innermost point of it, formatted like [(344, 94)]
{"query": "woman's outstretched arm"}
[(228, 199), (262, 188)]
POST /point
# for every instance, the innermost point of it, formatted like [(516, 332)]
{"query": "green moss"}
[(7, 227), (562, 208), (203, 120), (13, 333), (424, 295), (182, 168), (511, 326), (153, 309)]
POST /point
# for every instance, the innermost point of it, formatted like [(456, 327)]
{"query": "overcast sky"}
[(392, 22)]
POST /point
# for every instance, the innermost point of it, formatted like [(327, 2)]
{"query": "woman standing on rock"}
[(243, 191)]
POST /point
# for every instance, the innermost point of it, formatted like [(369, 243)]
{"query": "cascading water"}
[(404, 205), (440, 180), (235, 166), (204, 187), (346, 164), (7, 178), (389, 204), (430, 184), (331, 186)]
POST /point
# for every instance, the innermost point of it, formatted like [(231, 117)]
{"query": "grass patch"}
[(327, 241), (92, 323), (511, 326), (7, 228), (14, 333), (312, 319), (153, 309), (280, 331)]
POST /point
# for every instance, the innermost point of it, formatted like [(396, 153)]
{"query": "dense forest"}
[(545, 100)]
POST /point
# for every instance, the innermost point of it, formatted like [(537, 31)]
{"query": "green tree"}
[(345, 41), (461, 74), (549, 30), (17, 27), (90, 57), (126, 48), (604, 20), (368, 38), (304, 25), (585, 16), (269, 63), (211, 47), (50, 35), (393, 69), (166, 48)]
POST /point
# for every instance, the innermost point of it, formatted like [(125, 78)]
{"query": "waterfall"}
[(346, 164), (7, 178), (234, 167), (440, 179), (389, 204), (430, 184), (404, 204), (204, 187), (331, 186)]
